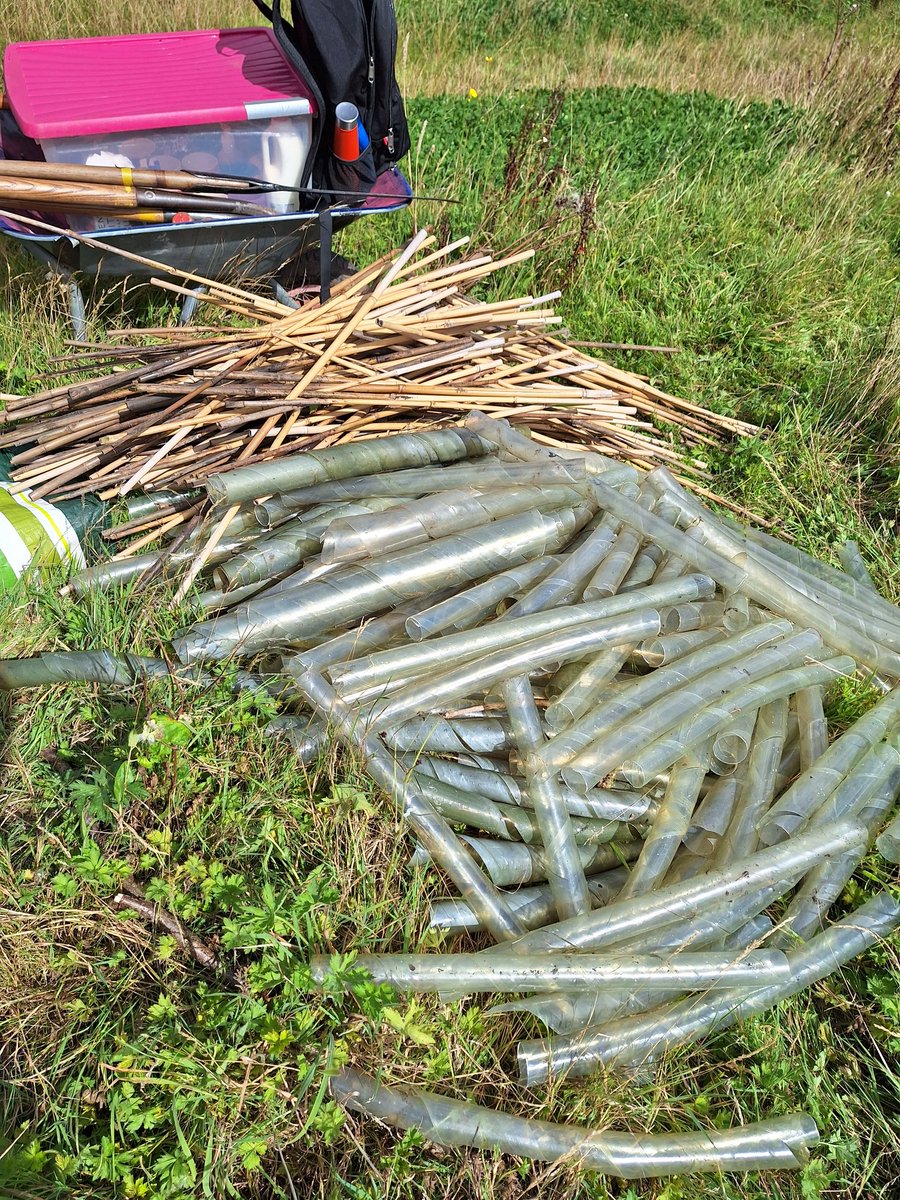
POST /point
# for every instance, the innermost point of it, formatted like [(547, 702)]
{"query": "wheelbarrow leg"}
[(326, 231), (284, 297), (77, 312), (189, 305)]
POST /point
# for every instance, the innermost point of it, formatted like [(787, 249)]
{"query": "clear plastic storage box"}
[(218, 101)]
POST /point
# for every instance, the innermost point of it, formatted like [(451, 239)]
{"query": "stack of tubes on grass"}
[(399, 345), (598, 708)]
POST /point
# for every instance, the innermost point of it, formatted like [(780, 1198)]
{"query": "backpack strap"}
[(283, 31)]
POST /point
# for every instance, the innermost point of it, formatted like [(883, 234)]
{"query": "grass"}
[(727, 196)]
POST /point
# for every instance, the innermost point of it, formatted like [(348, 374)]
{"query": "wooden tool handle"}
[(117, 176), (47, 195)]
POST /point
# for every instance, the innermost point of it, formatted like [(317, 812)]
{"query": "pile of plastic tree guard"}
[(599, 709)]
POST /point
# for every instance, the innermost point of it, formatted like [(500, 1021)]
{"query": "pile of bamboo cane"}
[(398, 345)]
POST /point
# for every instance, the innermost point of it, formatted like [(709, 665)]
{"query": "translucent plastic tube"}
[(268, 557), (488, 473), (888, 842), (660, 651), (145, 504), (431, 829), (806, 913), (575, 1010), (121, 571), (572, 1012), (357, 591), (844, 605), (636, 1039), (699, 614), (866, 778), (467, 645), (758, 788), (666, 681), (512, 864), (89, 666), (817, 578), (565, 873), (792, 554), (710, 927), (712, 817), (214, 599), (120, 670), (554, 682), (369, 457), (611, 572), (731, 744), (619, 922), (439, 735), (744, 573), (418, 521), (504, 821), (644, 568), (685, 865), (501, 434), (859, 607), (670, 567), (737, 612), (279, 552), (479, 601), (655, 757), (565, 583), (854, 564), (812, 725), (308, 737), (552, 972), (604, 804), (627, 739), (534, 906), (789, 767), (508, 821), (370, 635), (311, 571), (474, 677), (791, 811), (587, 687), (778, 1143), (114, 573), (668, 828)]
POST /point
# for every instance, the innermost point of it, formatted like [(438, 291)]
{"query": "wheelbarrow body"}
[(235, 247), (248, 248)]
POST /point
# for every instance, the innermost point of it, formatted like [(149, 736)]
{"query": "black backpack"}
[(345, 50)]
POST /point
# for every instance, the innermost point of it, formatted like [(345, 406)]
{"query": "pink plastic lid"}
[(84, 86)]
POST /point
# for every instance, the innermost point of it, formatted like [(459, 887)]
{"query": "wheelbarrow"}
[(239, 247), (220, 100)]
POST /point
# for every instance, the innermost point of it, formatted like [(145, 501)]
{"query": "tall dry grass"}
[(758, 50)]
